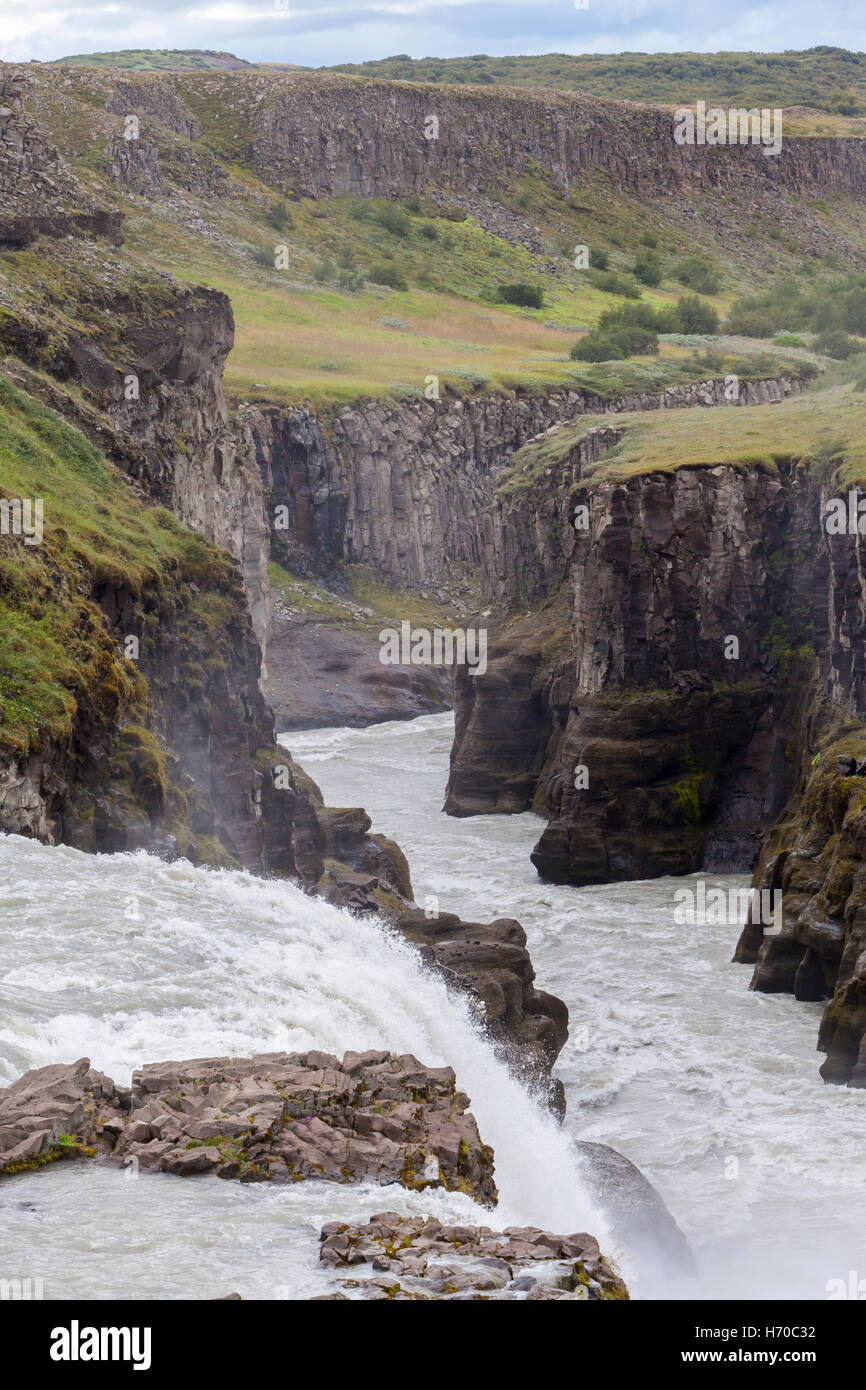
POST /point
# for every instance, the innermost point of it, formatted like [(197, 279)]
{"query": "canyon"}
[(609, 647)]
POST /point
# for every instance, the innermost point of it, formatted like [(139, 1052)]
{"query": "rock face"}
[(372, 1117), (492, 964), (416, 1259), (624, 672), (635, 1212), (410, 489), (38, 193), (621, 670), (326, 135)]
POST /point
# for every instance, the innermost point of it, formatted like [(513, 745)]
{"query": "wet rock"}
[(635, 1211), (372, 1117), (421, 1258), (491, 963)]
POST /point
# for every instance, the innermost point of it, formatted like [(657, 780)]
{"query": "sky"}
[(316, 33)]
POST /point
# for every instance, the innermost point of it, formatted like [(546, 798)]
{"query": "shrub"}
[(836, 343), (854, 310), (750, 323), (696, 274), (430, 231), (390, 275), (395, 220), (531, 296), (350, 280), (596, 348), (325, 271), (412, 204), (598, 259), (613, 283), (278, 216), (649, 239), (613, 342), (696, 315), (788, 340), (648, 268)]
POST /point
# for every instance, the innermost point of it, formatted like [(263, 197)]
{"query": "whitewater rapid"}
[(126, 959), (712, 1090)]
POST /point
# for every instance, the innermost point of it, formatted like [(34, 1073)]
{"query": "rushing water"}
[(127, 959), (712, 1090)]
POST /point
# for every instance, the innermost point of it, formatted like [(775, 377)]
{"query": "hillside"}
[(830, 79), (158, 60)]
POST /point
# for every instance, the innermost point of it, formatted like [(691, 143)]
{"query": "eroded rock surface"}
[(414, 1259), (371, 1117)]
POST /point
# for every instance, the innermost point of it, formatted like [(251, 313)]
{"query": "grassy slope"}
[(157, 60), (815, 428), (296, 339), (302, 340), (54, 641), (819, 77)]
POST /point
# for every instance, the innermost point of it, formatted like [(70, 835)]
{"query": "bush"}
[(531, 296), (395, 220), (854, 310), (649, 239), (350, 280), (613, 283), (614, 342), (278, 217), (412, 204), (390, 275), (598, 259), (596, 348), (750, 323), (430, 231), (648, 268), (696, 315), (325, 271), (836, 343), (696, 274), (788, 340)]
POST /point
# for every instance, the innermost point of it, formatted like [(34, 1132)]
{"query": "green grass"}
[(831, 79), (824, 427), (55, 647), (157, 60)]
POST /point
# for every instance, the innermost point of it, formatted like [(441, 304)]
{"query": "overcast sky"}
[(318, 32)]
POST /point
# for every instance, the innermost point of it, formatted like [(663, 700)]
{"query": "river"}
[(711, 1090)]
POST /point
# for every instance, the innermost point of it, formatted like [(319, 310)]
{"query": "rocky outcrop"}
[(626, 674), (419, 1258), (372, 1117), (410, 488), (621, 708), (492, 964), (635, 1212), (39, 195), (325, 135)]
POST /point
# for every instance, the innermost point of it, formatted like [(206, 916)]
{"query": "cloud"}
[(338, 31)]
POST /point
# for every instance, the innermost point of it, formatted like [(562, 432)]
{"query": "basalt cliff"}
[(135, 626), (684, 693), (674, 683)]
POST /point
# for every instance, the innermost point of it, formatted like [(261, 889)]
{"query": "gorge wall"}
[(324, 135), (614, 710)]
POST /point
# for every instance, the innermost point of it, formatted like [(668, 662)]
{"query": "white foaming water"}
[(126, 959), (712, 1090)]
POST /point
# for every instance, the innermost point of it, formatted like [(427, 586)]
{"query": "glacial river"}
[(711, 1090)]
